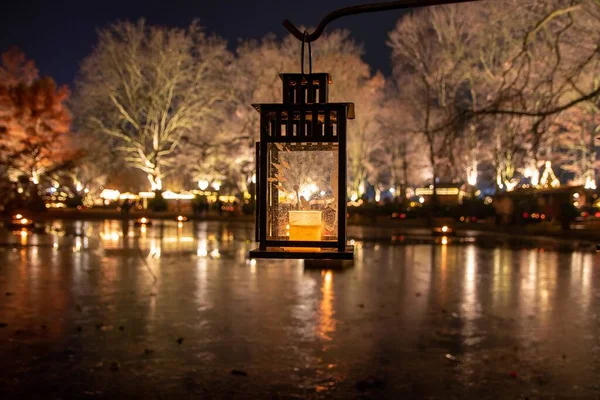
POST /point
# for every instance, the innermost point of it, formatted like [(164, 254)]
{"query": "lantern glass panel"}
[(302, 191)]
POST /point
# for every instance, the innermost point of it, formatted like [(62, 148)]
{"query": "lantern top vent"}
[(304, 93), (305, 88)]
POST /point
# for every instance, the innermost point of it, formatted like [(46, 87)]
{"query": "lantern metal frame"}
[(305, 119)]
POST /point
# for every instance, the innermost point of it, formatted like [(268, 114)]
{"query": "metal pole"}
[(362, 9)]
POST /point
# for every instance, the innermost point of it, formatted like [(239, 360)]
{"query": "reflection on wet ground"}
[(102, 309)]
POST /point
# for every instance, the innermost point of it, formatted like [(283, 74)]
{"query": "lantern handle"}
[(302, 55), (362, 9)]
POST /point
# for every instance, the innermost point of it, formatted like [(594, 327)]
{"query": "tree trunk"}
[(155, 179), (434, 198)]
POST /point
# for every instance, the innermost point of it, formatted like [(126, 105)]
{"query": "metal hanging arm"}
[(362, 9)]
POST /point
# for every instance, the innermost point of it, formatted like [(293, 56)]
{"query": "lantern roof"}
[(296, 76), (349, 107), (305, 91)]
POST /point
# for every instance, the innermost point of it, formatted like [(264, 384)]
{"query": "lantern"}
[(301, 173)]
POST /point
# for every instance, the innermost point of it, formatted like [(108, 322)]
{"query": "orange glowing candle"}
[(305, 226)]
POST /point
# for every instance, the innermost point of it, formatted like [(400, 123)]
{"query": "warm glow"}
[(169, 195), (356, 203), (421, 200), (361, 188), (327, 323), (548, 177), (216, 185), (77, 247), (202, 250), (590, 183), (447, 191), (472, 176), (144, 220), (510, 186), (438, 191), (308, 190), (155, 183), (129, 196), (18, 216), (227, 199), (444, 229), (155, 250), (305, 225), (146, 195), (444, 240), (202, 184), (110, 194), (24, 221), (534, 174)]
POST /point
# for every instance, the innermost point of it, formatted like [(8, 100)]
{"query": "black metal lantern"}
[(301, 173)]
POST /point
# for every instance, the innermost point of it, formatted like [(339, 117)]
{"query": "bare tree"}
[(491, 79), (255, 79), (97, 163), (534, 58), (556, 44), (405, 151), (576, 131), (149, 87), (365, 134), (430, 54)]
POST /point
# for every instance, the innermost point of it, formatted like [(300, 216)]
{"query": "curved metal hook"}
[(361, 9)]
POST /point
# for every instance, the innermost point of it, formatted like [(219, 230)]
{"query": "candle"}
[(305, 226)]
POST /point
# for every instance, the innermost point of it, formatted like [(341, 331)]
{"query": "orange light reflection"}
[(327, 323)]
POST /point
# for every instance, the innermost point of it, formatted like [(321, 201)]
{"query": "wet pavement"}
[(96, 310)]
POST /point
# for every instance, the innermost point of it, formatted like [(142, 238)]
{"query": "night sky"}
[(58, 35)]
